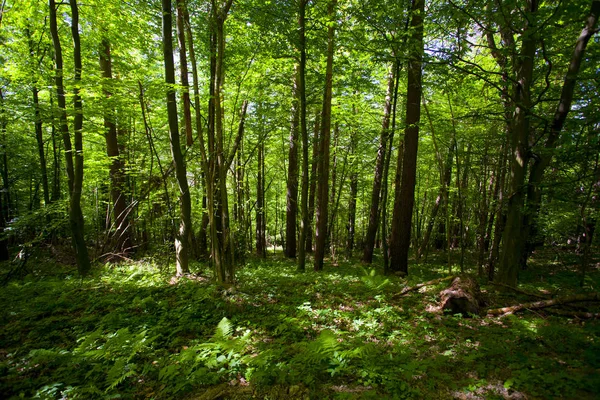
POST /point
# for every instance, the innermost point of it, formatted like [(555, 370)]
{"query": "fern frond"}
[(224, 330)]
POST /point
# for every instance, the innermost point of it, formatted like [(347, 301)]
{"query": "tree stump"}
[(463, 296)]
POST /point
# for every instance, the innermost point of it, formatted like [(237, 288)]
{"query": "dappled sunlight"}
[(138, 329)]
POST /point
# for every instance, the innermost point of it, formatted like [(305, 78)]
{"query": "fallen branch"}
[(545, 303), (514, 289), (575, 314), (420, 285)]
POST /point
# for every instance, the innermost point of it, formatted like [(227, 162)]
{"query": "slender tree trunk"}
[(6, 203), (403, 209), (323, 165), (261, 242), (292, 181), (313, 185), (116, 169), (512, 239), (74, 168), (304, 225), (40, 142), (202, 235), (38, 121), (185, 92), (443, 193), (330, 240), (182, 236), (386, 172), (483, 212), (379, 165), (56, 170), (351, 225), (4, 254)]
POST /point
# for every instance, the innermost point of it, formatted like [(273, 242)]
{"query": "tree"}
[(74, 163), (404, 200), (324, 145), (182, 236), (117, 172)]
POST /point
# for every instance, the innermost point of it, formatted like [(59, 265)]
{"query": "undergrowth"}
[(132, 331)]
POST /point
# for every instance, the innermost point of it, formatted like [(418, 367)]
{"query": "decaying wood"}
[(545, 303), (463, 296), (575, 314), (420, 285)]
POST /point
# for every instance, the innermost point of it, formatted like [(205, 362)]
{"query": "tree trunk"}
[(463, 296), (304, 225), (323, 162), (536, 305), (261, 242), (74, 168), (185, 92), (6, 213), (513, 244), (39, 133), (182, 236), (116, 169), (497, 213), (313, 184), (543, 159), (443, 193), (379, 165), (401, 221), (386, 171), (202, 235), (351, 224), (4, 255), (292, 181)]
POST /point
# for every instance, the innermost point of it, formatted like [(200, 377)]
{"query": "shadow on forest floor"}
[(133, 330)]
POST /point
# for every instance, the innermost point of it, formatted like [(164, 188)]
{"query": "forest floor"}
[(132, 330)]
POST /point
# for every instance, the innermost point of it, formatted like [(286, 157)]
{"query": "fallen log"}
[(463, 296), (575, 314), (420, 285), (545, 303)]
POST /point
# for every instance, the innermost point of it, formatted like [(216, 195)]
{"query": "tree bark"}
[(543, 159), (182, 236), (536, 305), (117, 167), (323, 162), (304, 225), (6, 203), (202, 235), (379, 165), (513, 244), (261, 242), (74, 167), (185, 92), (401, 220), (351, 224), (313, 184), (38, 123), (292, 178), (463, 296)]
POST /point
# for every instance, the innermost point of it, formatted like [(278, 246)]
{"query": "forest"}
[(299, 199)]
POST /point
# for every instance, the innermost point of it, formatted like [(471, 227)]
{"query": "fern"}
[(374, 282), (223, 331)]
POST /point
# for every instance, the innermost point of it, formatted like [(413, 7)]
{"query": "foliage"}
[(131, 331)]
